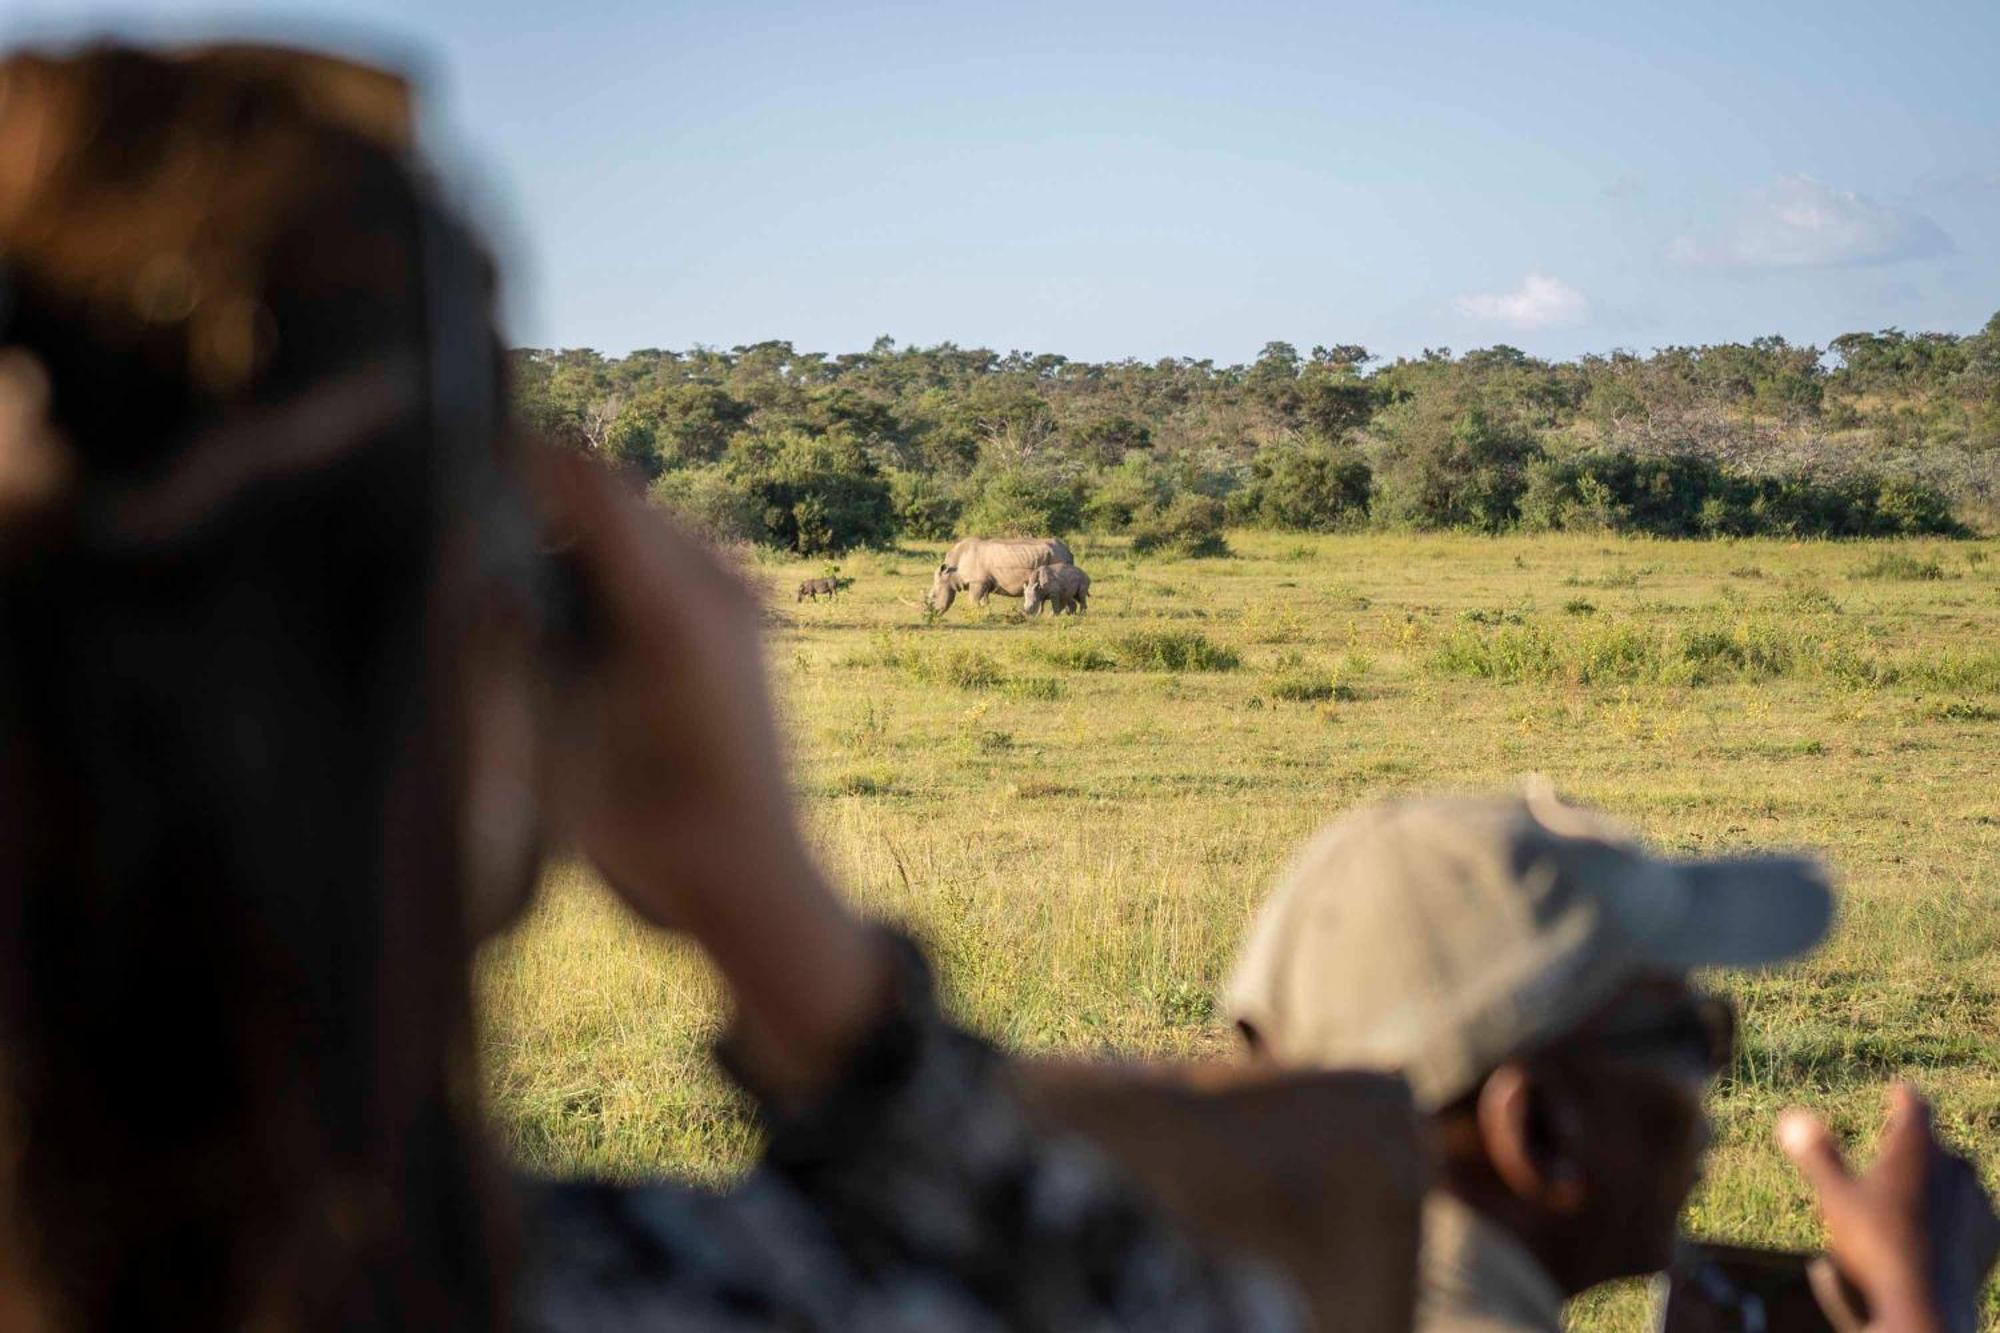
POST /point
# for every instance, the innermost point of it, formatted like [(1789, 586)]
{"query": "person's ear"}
[(1530, 1132)]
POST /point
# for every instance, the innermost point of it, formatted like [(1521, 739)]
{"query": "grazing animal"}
[(814, 587), (1061, 587), (983, 566)]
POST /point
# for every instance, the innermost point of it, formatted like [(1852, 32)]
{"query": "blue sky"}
[(1178, 179)]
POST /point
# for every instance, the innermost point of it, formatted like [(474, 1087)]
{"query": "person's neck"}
[(1526, 1226)]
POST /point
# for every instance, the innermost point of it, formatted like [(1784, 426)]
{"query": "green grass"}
[(1078, 816)]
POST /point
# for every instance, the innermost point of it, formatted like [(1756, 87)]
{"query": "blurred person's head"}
[(247, 383), (1525, 965)]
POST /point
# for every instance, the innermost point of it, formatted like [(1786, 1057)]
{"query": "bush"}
[(1121, 494), (1685, 496), (1309, 487), (1022, 501), (711, 502), (821, 493), (925, 507), (1190, 526), (1463, 471)]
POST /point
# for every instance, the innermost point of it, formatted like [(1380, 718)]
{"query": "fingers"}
[(1907, 1140), (637, 563), (1814, 1151)]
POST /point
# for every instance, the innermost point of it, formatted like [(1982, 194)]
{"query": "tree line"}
[(1879, 433)]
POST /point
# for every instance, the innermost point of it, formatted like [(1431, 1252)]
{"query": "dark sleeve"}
[(924, 1172)]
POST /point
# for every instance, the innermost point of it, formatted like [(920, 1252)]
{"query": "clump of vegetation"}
[(1072, 654), (1897, 565), (1612, 579), (1808, 599), (1275, 622), (1172, 650), (1963, 710), (1310, 687), (1304, 486), (1685, 495), (863, 782), (1577, 606), (1189, 526), (1620, 652), (963, 668), (1038, 689)]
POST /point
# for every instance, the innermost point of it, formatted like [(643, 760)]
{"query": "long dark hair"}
[(236, 1053)]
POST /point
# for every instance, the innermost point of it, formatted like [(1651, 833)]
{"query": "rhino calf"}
[(814, 587), (1062, 587)]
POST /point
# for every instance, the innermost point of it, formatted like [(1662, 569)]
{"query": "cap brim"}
[(1750, 911)]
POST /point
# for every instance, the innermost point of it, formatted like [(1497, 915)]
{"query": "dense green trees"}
[(1879, 432)]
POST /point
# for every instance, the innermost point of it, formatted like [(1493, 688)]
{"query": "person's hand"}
[(1915, 1234), (666, 771)]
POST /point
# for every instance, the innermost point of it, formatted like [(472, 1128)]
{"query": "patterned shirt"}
[(914, 1196)]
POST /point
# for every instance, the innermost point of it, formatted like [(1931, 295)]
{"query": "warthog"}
[(1061, 587), (983, 566), (814, 587)]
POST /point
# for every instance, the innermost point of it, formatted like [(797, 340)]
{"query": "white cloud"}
[(1799, 222), (1540, 302)]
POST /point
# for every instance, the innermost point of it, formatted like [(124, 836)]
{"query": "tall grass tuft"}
[(1172, 650), (965, 668), (1896, 565)]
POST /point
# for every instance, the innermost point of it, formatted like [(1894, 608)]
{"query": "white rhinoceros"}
[(983, 566)]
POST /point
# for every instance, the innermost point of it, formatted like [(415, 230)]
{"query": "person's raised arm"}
[(669, 776)]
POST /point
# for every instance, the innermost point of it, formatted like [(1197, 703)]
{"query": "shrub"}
[(1687, 496), (711, 502), (925, 507), (1444, 471), (1022, 500), (1121, 494), (821, 493), (1191, 526), (1305, 487)]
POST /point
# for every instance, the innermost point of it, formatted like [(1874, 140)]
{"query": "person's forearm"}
[(807, 976)]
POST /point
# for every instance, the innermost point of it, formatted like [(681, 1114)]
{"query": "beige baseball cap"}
[(1441, 937)]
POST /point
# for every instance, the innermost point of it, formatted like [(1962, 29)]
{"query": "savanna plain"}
[(1078, 816)]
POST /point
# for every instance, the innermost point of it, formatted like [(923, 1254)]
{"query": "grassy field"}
[(1079, 816)]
